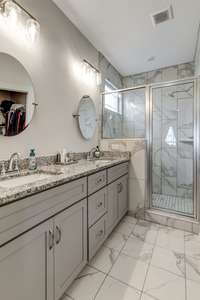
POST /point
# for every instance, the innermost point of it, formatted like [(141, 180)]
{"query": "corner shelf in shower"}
[(187, 141)]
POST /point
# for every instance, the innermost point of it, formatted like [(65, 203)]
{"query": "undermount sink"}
[(100, 162), (17, 180)]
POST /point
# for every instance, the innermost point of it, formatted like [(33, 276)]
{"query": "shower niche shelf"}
[(187, 141)]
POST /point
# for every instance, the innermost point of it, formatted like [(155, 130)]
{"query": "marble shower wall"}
[(137, 171), (173, 140), (137, 147), (129, 121), (160, 75), (134, 116), (110, 73)]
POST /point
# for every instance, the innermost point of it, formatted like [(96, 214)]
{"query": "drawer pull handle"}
[(58, 235), (120, 187), (100, 233), (51, 240), (100, 205)]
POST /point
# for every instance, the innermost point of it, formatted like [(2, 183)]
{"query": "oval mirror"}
[(17, 102), (87, 117)]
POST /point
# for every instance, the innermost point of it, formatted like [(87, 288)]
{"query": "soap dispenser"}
[(97, 152), (32, 160)]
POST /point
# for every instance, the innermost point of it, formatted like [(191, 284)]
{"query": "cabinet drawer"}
[(97, 206), (18, 217), (117, 171), (96, 181), (97, 235)]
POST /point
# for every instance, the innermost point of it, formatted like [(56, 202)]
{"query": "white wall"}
[(52, 63)]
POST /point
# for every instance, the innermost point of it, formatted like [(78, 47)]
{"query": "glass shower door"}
[(172, 148)]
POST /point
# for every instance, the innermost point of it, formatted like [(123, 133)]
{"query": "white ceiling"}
[(122, 30)]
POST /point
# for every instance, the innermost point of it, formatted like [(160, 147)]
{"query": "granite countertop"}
[(56, 175)]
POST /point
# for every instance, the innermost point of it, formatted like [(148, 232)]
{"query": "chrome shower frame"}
[(196, 156), (148, 138)]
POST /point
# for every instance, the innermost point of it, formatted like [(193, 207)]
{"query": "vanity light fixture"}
[(11, 10), (90, 73), (32, 29)]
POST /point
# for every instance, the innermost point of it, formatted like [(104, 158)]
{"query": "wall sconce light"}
[(32, 29), (12, 10), (90, 73)]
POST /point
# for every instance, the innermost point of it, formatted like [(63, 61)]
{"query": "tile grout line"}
[(149, 266), (173, 273), (107, 275), (126, 284)]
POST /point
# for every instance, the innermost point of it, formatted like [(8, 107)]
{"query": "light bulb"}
[(83, 70), (32, 29), (88, 75), (12, 12), (92, 76), (98, 78)]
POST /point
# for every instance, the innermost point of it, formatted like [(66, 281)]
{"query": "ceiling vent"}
[(162, 16)]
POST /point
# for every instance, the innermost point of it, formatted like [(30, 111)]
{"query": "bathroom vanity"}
[(50, 229)]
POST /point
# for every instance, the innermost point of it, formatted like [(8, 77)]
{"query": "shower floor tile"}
[(183, 205)]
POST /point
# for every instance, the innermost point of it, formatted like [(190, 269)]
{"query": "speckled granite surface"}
[(57, 175)]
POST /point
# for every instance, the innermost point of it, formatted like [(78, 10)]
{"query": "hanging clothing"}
[(16, 106), (2, 119), (15, 121), (5, 106)]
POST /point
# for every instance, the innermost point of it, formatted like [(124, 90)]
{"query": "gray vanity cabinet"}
[(26, 266), (70, 250), (43, 262), (107, 206), (43, 238)]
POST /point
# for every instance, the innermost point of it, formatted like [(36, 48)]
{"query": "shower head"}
[(172, 94)]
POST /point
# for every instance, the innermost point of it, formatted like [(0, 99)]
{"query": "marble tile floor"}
[(179, 204), (142, 261)]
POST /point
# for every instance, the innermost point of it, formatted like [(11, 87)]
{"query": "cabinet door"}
[(112, 214), (70, 252), (122, 196), (26, 266)]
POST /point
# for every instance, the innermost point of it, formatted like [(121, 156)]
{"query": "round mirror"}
[(17, 102), (87, 117)]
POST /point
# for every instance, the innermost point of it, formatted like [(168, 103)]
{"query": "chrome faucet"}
[(14, 160), (90, 155)]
